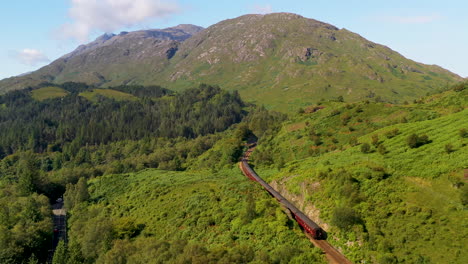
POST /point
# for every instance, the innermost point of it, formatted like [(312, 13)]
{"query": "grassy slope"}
[(200, 208), (48, 93), (109, 93), (407, 197)]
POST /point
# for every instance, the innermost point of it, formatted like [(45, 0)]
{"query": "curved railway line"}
[(314, 232)]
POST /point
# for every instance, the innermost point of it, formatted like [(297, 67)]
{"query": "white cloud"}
[(262, 9), (411, 19), (88, 16), (30, 57)]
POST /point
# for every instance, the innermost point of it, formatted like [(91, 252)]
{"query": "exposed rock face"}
[(300, 202)]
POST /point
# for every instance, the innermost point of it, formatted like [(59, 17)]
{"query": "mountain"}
[(282, 60), (111, 59)]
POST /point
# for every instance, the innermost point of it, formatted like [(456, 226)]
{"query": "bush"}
[(335, 112), (382, 149), (353, 141), (317, 141), (464, 195), (375, 140), (415, 141), (459, 87), (345, 119), (448, 148), (365, 148), (412, 141), (345, 217), (463, 132), (392, 133)]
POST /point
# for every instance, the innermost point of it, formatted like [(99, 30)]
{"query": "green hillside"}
[(49, 92), (172, 217), (381, 197), (93, 95)]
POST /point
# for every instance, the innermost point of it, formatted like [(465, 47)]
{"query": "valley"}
[(143, 135)]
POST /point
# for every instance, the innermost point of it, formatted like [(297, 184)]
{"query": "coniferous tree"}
[(27, 174), (82, 194), (60, 254)]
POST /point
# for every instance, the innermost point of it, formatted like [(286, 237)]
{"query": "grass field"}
[(109, 93), (49, 92)]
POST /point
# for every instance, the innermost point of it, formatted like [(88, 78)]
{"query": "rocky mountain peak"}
[(177, 33)]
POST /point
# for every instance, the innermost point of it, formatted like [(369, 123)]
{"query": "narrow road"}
[(332, 254), (60, 227)]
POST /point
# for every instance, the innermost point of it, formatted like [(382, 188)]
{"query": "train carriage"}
[(308, 225)]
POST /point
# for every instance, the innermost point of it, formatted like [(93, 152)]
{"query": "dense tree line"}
[(74, 121)]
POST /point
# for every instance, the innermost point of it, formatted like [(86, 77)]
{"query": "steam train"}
[(309, 226)]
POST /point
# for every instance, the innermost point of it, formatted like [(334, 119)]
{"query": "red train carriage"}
[(309, 226)]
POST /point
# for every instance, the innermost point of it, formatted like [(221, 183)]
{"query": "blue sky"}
[(38, 32)]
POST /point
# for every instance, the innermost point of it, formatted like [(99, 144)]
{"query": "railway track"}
[(332, 254)]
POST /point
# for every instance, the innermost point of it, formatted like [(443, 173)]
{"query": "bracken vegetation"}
[(392, 189), (178, 217)]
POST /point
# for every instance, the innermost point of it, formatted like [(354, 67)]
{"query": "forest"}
[(74, 121)]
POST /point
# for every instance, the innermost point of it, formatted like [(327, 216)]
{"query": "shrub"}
[(463, 132), (335, 112), (412, 141), (464, 195), (375, 140), (392, 133), (317, 141), (345, 217), (382, 149), (365, 148), (459, 87), (415, 141), (345, 119), (448, 148)]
